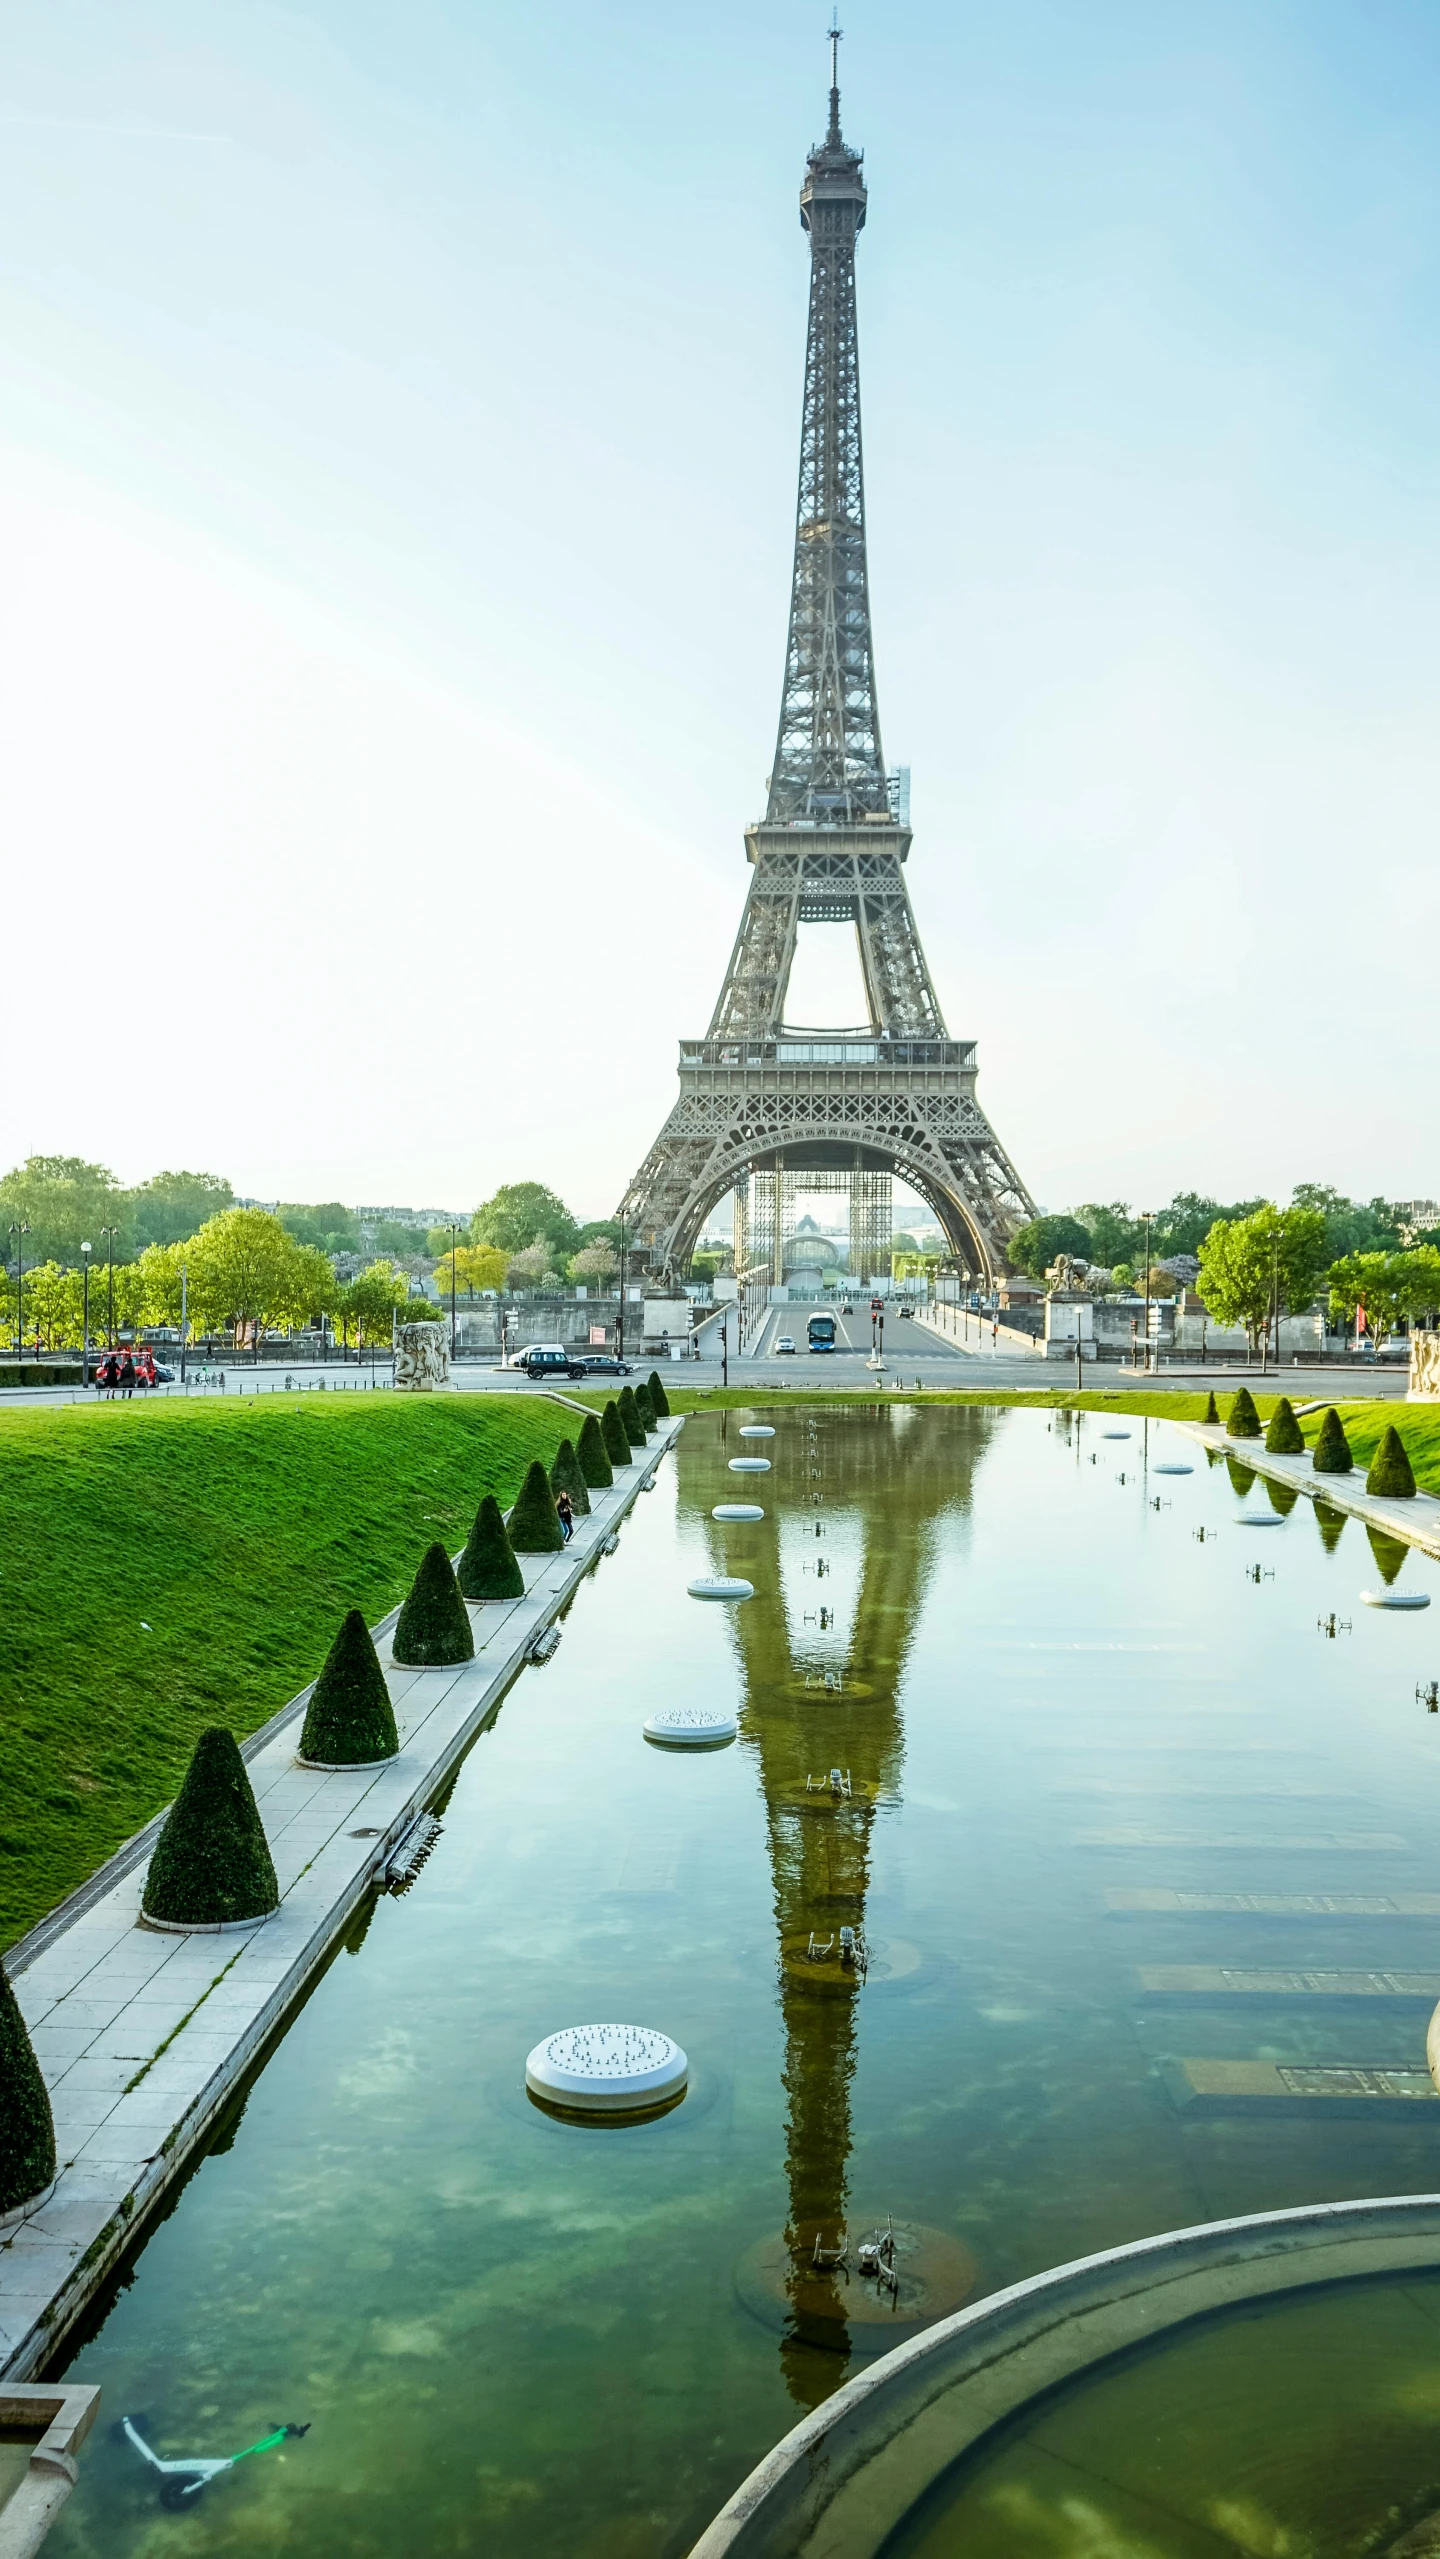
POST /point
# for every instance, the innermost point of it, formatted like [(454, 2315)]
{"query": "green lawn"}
[(239, 1533)]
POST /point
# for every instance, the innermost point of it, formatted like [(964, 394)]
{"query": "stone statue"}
[(422, 1356)]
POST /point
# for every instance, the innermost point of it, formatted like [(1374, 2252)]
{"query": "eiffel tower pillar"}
[(895, 1095)]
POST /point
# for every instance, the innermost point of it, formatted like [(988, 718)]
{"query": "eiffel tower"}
[(897, 1096)]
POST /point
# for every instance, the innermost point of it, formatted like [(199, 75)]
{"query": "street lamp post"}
[(85, 1252), (1147, 1220), (19, 1231), (454, 1241), (620, 1323), (725, 1348), (110, 1233), (1274, 1307), (184, 1319)]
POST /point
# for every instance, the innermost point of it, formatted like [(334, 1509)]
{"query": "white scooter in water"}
[(182, 2480)]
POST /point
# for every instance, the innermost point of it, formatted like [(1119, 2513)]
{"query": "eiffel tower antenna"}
[(762, 1104)]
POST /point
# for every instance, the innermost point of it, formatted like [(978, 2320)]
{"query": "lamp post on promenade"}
[(454, 1241), (184, 1320), (110, 1233), (85, 1252), (1147, 1220), (19, 1230)]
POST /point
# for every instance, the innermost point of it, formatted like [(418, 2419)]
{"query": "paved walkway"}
[(143, 2035), (1417, 1521)]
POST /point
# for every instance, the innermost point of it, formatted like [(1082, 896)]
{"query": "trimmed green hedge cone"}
[(1244, 1422), (1212, 1409), (27, 2127), (487, 1569), (1333, 1453), (567, 1476), (595, 1466), (433, 1629), (630, 1416), (645, 1408), (350, 1718), (615, 1435), (1242, 1478), (212, 1862), (1330, 1522), (658, 1396), (535, 1522), (1389, 1552), (1390, 1468), (1285, 1438)]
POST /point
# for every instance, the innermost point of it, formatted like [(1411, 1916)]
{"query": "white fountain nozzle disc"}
[(756, 1430), (749, 1465), (1396, 1598), (606, 2070), (737, 1510), (720, 1586), (691, 1724)]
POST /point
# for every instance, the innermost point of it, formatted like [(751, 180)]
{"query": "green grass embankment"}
[(161, 1570)]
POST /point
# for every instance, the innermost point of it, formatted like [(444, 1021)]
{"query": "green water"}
[(1308, 2429), (514, 2335)]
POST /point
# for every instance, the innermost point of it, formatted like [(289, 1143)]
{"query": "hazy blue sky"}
[(398, 414)]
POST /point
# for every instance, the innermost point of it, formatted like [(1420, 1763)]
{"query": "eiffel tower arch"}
[(895, 1095)]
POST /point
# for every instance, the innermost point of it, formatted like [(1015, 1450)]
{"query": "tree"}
[(1333, 1454), (311, 1288), (432, 1630), (1390, 1469), (1383, 1284), (170, 1207), (568, 1476), (160, 1267), (350, 1721), (52, 1306), (369, 1303), (1244, 1422), (1422, 1266), (211, 1863), (591, 1450), (328, 1225), (533, 1268), (594, 1264), (1274, 1256), (1285, 1438), (1036, 1247), (1212, 1410), (616, 1437), (478, 1267), (242, 1271), (658, 1396), (1114, 1232), (487, 1569), (645, 1408), (1183, 1226), (27, 2126), (534, 1522), (1351, 1226), (64, 1201), (519, 1212), (635, 1430)]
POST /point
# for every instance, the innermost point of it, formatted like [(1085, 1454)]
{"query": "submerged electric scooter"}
[(182, 2480)]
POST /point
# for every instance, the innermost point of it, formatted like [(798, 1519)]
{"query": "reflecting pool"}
[(1137, 1861)]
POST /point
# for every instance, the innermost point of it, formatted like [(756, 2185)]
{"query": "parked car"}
[(603, 1364), (785, 1347), (550, 1359)]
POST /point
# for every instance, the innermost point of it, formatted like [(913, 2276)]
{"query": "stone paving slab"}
[(144, 2035), (1415, 1523), (1294, 2088), (1225, 1981)]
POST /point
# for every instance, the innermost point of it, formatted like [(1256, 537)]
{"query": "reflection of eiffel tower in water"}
[(759, 1100), (859, 1488)]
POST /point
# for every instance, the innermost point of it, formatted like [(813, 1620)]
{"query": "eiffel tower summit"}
[(766, 1109)]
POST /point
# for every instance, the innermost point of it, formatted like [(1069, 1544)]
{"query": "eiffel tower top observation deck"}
[(898, 1094)]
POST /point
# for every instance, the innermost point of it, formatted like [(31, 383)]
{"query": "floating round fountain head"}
[(607, 2070), (691, 1727), (756, 1430), (1114, 1434), (720, 1586), (737, 1510), (1172, 1470), (749, 1465), (1396, 1598)]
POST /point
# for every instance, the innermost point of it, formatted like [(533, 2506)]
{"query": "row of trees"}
[(241, 1273), (1277, 1261), (1111, 1236)]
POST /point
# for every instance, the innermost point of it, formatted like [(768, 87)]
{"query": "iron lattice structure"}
[(898, 1095)]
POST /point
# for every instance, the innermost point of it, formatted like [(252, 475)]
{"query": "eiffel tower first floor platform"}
[(828, 1104)]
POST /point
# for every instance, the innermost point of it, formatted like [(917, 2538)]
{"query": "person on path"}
[(127, 1375), (145, 1374), (107, 1376), (566, 1510)]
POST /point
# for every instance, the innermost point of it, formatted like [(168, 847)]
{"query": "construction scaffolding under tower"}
[(765, 1219)]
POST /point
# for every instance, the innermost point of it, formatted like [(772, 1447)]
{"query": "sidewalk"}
[(144, 2036), (1416, 1522)]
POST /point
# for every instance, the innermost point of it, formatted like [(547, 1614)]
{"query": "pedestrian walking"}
[(566, 1509), (127, 1375), (145, 1373), (107, 1376)]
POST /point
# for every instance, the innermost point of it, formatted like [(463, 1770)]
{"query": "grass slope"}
[(241, 1533)]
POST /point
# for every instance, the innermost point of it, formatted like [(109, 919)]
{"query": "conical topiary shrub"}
[(630, 1416), (645, 1408), (1330, 1523), (658, 1396), (350, 1720), (595, 1466), (487, 1569), (1390, 1468), (535, 1522), (567, 1476), (1212, 1409), (27, 2127), (433, 1630), (1285, 1438), (211, 1863), (1282, 1497), (615, 1435), (1244, 1422), (1333, 1453), (1242, 1478), (1389, 1552)]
